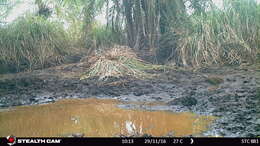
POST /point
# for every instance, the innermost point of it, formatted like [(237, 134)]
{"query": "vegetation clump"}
[(119, 61), (223, 37), (32, 42)]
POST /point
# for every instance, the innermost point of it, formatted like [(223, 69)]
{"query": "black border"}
[(140, 141)]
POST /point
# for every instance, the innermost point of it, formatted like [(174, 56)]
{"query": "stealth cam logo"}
[(11, 140)]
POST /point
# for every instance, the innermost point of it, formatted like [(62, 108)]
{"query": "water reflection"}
[(95, 117)]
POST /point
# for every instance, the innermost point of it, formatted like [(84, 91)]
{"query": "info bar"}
[(192, 141)]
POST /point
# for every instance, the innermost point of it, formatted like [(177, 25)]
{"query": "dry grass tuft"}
[(119, 61)]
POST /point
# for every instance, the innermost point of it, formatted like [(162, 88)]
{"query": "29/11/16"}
[(155, 141)]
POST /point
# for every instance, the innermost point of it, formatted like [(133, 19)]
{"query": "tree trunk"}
[(129, 22)]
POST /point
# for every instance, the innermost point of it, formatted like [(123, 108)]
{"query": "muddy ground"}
[(230, 93)]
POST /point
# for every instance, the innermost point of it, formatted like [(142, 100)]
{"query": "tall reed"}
[(32, 42)]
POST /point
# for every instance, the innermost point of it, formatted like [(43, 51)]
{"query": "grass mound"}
[(118, 61)]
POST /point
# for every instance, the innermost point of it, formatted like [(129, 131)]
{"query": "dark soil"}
[(232, 97)]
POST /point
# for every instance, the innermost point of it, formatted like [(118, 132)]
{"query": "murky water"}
[(95, 117)]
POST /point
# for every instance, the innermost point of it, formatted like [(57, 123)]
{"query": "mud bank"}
[(227, 93)]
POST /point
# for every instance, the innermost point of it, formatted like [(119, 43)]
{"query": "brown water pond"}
[(99, 118)]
